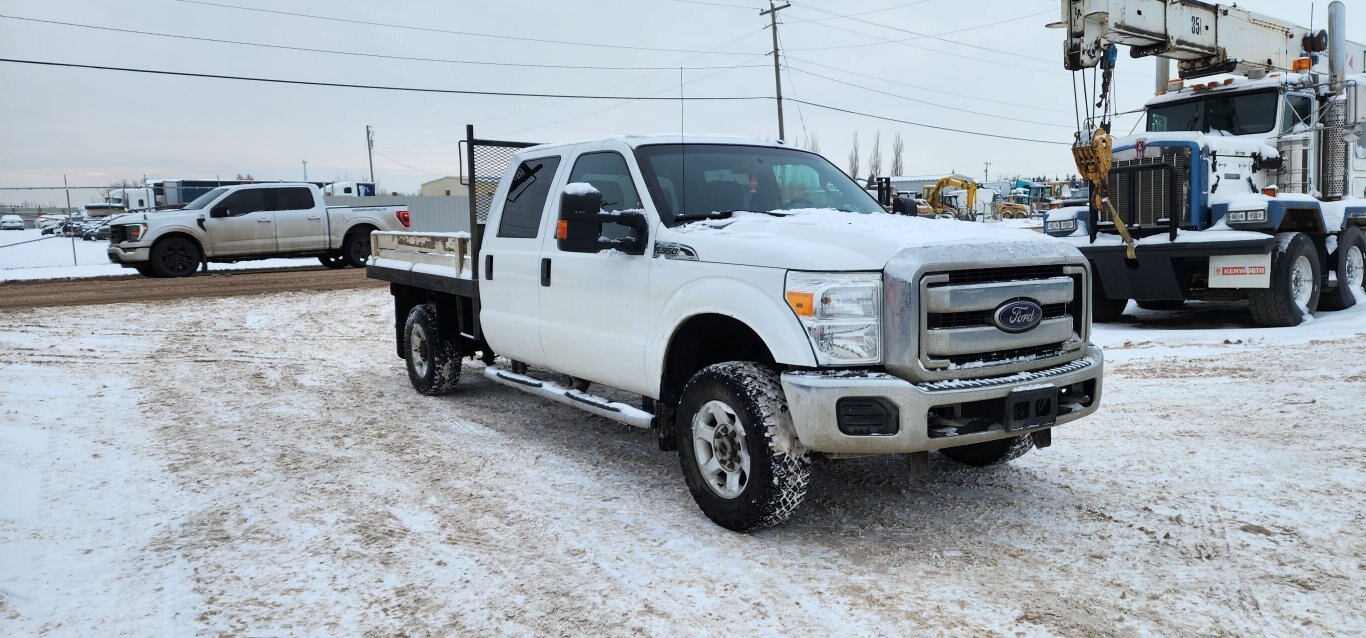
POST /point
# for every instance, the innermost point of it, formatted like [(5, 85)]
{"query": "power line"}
[(413, 168), (451, 32), (935, 36), (929, 103), (378, 87), (357, 53), (860, 13), (923, 125)]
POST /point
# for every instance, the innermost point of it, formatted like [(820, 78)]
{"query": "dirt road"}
[(136, 288)]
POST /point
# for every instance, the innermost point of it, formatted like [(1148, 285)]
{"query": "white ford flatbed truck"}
[(245, 222), (760, 303)]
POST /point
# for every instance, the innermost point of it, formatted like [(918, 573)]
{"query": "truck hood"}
[(822, 239)]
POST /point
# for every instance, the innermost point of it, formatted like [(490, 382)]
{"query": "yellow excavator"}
[(935, 196)]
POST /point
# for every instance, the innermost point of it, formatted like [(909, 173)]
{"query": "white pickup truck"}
[(760, 304), (250, 221)]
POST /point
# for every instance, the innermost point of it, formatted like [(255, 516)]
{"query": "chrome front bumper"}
[(136, 254), (812, 398)]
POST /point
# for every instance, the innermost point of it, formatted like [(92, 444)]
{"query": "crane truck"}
[(1248, 186)]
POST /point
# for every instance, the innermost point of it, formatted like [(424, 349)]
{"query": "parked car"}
[(95, 231), (11, 222)]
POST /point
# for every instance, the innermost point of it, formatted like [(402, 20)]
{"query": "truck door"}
[(593, 306), (241, 223), (510, 268), (299, 223)]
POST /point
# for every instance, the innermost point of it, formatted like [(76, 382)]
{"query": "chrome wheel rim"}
[(417, 349), (1354, 269), (719, 449), (1302, 282)]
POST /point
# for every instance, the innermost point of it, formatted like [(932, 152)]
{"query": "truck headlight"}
[(1060, 223), (842, 315), (1246, 216), (135, 231)]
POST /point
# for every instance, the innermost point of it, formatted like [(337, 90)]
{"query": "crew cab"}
[(754, 307), (245, 222)]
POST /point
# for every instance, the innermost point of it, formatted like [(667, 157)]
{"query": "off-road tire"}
[(1161, 304), (433, 361), (175, 257), (356, 247), (334, 260), (1275, 306), (991, 452), (1348, 263), (779, 468)]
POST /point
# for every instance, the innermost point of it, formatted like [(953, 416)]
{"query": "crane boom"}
[(1205, 39)]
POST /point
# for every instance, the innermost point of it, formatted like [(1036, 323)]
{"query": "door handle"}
[(263, 221), (545, 271), (314, 217), (488, 266)]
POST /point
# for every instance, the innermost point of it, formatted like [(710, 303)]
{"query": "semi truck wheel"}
[(433, 361), (1349, 270), (1294, 290), (740, 456), (356, 248), (334, 260), (990, 452), (175, 257)]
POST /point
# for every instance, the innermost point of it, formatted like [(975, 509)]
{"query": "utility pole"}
[(69, 213), (370, 150), (986, 172), (305, 170), (772, 14)]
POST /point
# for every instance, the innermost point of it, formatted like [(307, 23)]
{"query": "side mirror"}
[(579, 227), (218, 211)]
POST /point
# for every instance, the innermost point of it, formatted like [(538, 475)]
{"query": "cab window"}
[(244, 201), (291, 199), (527, 192), (1298, 112), (608, 173)]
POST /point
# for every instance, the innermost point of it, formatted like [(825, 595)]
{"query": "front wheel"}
[(1294, 289), (175, 257), (740, 455)]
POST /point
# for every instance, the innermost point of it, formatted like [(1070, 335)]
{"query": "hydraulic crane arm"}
[(1205, 39)]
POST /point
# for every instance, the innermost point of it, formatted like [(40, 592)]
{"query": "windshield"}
[(1232, 114), (710, 180), (203, 200)]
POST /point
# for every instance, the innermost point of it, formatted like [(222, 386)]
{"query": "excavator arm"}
[(1205, 39)]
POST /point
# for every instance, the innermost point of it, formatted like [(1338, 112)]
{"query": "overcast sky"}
[(992, 68)]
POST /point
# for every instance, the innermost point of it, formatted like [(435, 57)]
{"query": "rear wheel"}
[(740, 455), (991, 452), (1294, 290), (175, 257), (356, 248), (433, 361), (1349, 271), (334, 260)]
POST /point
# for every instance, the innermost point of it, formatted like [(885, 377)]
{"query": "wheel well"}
[(361, 227), (187, 237), (701, 341), (1305, 220)]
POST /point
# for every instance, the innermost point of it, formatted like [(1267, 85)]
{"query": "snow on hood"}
[(824, 239), (1217, 143)]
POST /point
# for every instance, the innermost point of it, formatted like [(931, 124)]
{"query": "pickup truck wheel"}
[(1294, 290), (334, 260), (740, 456), (1349, 270), (175, 257), (433, 362), (145, 270), (356, 248), (991, 452)]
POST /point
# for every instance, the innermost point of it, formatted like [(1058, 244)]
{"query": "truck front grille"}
[(1148, 191), (958, 334), (117, 234)]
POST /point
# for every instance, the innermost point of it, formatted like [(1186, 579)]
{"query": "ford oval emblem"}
[(1017, 316)]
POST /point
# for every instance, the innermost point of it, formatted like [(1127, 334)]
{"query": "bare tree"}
[(897, 147), (875, 155), (813, 144), (853, 157)]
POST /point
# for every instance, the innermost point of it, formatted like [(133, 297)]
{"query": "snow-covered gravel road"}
[(260, 466)]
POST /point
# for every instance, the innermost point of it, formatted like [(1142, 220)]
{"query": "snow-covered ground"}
[(28, 254), (260, 466)]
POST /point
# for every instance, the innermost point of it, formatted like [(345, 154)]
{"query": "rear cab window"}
[(527, 193)]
